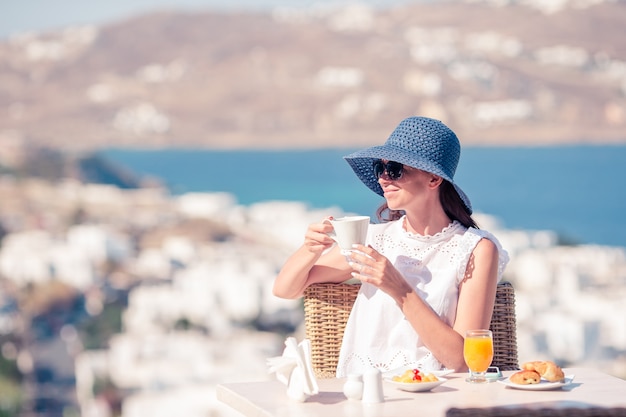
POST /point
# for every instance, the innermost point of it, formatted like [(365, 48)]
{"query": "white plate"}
[(415, 386), (400, 371), (541, 386)]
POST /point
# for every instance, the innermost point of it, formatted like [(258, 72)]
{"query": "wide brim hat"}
[(418, 142)]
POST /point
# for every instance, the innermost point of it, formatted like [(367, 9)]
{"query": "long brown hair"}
[(450, 200)]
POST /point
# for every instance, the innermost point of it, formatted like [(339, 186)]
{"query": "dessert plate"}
[(415, 386), (541, 386), (401, 370)]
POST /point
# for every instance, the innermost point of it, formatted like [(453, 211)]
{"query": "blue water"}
[(577, 191)]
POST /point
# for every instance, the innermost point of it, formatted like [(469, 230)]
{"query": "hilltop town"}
[(188, 281), (498, 73)]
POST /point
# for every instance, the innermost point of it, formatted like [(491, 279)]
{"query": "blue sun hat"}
[(418, 142)]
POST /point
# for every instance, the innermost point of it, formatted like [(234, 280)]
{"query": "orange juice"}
[(478, 352)]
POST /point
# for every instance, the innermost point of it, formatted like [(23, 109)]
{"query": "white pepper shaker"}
[(373, 387)]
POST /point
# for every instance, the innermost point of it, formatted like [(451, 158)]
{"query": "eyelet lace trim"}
[(398, 360), (446, 231)]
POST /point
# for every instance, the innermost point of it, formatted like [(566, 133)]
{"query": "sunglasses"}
[(394, 169)]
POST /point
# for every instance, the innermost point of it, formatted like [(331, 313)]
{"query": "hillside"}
[(320, 77)]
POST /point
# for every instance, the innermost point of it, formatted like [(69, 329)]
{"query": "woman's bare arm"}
[(315, 261)]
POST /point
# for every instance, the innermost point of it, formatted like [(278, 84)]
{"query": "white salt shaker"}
[(353, 387), (373, 387)]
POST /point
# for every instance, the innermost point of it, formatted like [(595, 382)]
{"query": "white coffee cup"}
[(350, 230)]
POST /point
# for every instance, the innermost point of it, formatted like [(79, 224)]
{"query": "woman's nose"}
[(384, 177)]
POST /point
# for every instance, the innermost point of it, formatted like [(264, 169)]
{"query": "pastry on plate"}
[(547, 369), (525, 377)]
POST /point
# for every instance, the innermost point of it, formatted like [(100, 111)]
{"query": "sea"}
[(577, 191)]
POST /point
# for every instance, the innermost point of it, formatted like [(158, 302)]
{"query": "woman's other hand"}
[(368, 265)]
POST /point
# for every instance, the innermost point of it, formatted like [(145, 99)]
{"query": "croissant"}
[(526, 377), (547, 369)]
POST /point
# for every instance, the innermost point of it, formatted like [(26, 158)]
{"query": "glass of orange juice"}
[(478, 354)]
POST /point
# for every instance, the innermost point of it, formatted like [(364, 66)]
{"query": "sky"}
[(41, 15)]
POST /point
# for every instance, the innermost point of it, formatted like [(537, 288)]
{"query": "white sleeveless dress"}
[(377, 335)]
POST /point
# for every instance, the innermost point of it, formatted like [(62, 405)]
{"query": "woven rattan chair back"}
[(327, 307)]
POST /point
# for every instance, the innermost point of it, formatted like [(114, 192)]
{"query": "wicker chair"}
[(536, 412), (327, 307)]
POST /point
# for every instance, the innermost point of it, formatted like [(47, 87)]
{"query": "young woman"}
[(428, 273)]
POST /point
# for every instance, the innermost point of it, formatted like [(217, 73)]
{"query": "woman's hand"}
[(368, 265), (316, 238)]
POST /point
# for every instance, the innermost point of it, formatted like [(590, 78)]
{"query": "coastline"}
[(527, 188)]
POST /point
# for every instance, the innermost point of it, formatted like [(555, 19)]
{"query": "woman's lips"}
[(388, 191)]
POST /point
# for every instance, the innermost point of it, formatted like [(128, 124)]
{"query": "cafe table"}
[(589, 388)]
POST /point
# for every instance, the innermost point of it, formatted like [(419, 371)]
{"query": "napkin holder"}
[(294, 369)]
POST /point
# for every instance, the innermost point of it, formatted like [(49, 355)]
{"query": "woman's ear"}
[(435, 181)]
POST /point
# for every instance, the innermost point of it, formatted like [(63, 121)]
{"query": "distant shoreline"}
[(531, 188)]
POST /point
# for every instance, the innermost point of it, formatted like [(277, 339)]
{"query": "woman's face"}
[(408, 190)]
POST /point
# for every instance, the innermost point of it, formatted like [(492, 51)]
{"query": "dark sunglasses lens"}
[(394, 169), (379, 168)]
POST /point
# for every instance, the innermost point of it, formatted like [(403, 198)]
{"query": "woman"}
[(428, 273)]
